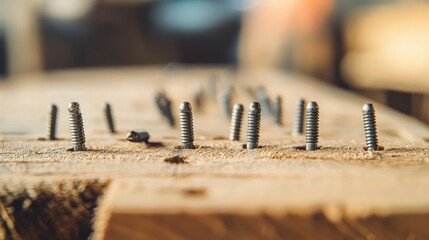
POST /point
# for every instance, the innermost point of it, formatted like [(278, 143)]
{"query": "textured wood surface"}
[(218, 190)]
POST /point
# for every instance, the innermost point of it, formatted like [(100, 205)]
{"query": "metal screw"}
[(226, 102), (265, 101), (52, 124), (212, 86), (138, 136), (298, 126), (164, 106), (76, 127), (237, 116), (370, 127), (186, 127), (109, 118), (253, 125), (277, 110), (198, 97), (312, 126)]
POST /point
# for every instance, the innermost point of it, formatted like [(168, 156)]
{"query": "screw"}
[(237, 116), (76, 127), (226, 102), (253, 125), (277, 110), (187, 130), (212, 85), (52, 124), (370, 127), (164, 106), (312, 126), (265, 100), (298, 126), (109, 118), (138, 136), (198, 97)]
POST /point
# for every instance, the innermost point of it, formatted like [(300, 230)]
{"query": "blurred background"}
[(378, 48)]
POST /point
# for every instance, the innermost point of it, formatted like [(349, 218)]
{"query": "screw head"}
[(185, 107), (254, 107), (312, 105), (238, 106), (367, 107), (73, 106)]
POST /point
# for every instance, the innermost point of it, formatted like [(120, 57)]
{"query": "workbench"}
[(219, 190)]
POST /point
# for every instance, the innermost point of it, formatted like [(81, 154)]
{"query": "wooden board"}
[(219, 189)]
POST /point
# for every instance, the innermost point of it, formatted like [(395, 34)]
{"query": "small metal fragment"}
[(370, 127), (237, 116), (312, 126), (138, 136), (253, 125), (186, 125)]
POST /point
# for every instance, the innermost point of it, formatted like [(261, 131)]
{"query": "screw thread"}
[(298, 126), (253, 125), (312, 126), (236, 120), (109, 118), (277, 110), (76, 127), (186, 125), (370, 127), (52, 124)]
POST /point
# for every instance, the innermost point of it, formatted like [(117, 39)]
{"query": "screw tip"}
[(185, 107), (255, 107), (73, 106), (367, 107), (312, 105)]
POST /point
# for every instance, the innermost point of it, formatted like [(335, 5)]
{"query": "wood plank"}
[(220, 190)]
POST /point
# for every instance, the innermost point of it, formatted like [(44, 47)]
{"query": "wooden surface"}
[(219, 190)]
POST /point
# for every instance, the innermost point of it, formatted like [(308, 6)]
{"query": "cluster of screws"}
[(236, 120), (186, 123), (76, 127)]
